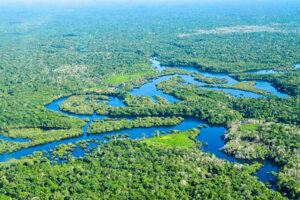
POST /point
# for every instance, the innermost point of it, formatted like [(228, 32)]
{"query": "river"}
[(210, 135)]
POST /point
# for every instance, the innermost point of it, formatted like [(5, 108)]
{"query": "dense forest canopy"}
[(126, 169), (39, 46), (91, 53)]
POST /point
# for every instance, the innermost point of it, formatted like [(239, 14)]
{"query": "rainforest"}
[(156, 100)]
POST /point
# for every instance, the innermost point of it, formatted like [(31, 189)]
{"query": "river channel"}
[(210, 135)]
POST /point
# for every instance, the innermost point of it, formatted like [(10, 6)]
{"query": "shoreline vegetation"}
[(123, 157), (244, 86), (89, 56), (191, 97), (37, 137), (184, 139), (279, 142), (111, 124), (288, 82)]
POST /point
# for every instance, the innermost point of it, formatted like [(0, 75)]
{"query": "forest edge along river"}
[(210, 135)]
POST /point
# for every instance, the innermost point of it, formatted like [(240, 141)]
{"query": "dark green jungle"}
[(91, 53)]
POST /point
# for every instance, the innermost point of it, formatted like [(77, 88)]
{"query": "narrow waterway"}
[(210, 135), (263, 85)]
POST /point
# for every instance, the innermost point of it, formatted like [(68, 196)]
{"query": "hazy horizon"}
[(76, 2)]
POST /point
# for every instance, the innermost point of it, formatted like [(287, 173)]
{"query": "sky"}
[(131, 2), (59, 2), (89, 1), (126, 1)]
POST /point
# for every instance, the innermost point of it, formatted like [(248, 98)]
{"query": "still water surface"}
[(210, 135)]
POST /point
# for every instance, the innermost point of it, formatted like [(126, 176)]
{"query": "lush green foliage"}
[(272, 109), (245, 86), (181, 139), (48, 53), (215, 107), (108, 125), (279, 142), (126, 169), (82, 104), (39, 62), (288, 82), (37, 136), (201, 78), (126, 77)]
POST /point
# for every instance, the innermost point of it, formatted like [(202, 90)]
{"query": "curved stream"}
[(209, 135)]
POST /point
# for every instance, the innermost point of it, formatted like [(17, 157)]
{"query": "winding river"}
[(209, 135)]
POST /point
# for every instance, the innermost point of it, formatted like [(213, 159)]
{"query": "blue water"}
[(267, 86), (55, 107), (236, 93), (265, 71), (134, 134), (79, 152), (270, 71), (191, 80), (229, 79), (14, 139), (156, 64), (213, 137), (209, 135), (115, 101), (149, 89)]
